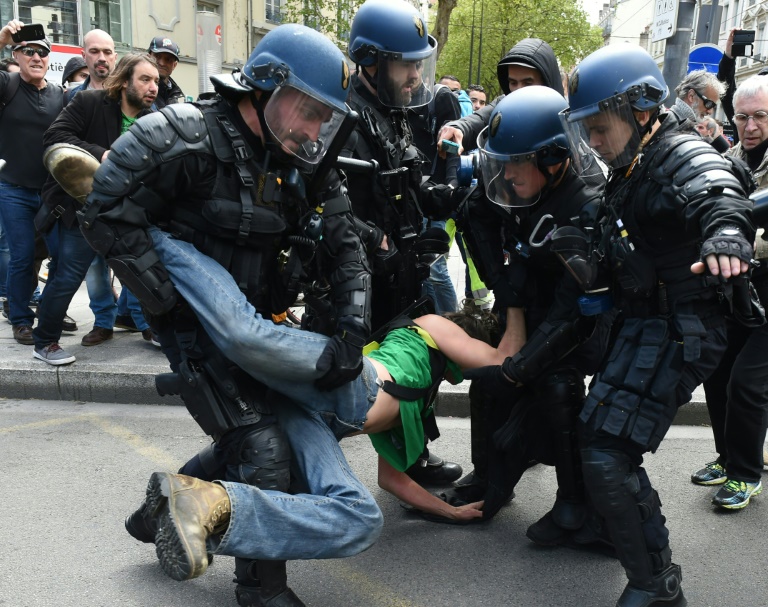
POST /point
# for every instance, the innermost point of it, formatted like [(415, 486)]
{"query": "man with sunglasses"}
[(698, 95), (33, 107)]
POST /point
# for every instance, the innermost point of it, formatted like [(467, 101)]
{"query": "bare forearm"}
[(514, 334)]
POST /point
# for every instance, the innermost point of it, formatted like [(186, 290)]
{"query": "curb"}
[(136, 385)]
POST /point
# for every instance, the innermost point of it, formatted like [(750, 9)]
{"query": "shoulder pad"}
[(679, 151), (155, 131), (187, 120)]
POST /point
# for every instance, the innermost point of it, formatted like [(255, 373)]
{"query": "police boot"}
[(142, 524), (263, 584), (569, 513), (430, 469), (194, 511), (663, 590)]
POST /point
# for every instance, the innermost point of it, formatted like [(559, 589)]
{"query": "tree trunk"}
[(440, 29)]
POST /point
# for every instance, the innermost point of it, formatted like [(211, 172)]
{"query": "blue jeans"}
[(5, 254), (18, 207), (100, 295), (128, 304), (439, 285), (74, 259), (337, 517)]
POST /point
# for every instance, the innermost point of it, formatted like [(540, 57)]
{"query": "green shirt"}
[(405, 354), (127, 123)]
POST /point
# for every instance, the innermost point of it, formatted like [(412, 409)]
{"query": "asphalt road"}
[(71, 472)]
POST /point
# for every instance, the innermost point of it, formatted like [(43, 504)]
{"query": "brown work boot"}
[(97, 335), (23, 335), (194, 511)]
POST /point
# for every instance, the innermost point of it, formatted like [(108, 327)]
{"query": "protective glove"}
[(385, 262), (728, 241), (493, 381), (341, 361), (440, 200)]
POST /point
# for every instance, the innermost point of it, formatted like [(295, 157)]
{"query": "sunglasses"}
[(29, 51), (708, 103)]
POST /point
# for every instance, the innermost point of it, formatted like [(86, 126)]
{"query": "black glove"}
[(440, 200), (386, 262), (493, 381), (728, 241), (341, 361)]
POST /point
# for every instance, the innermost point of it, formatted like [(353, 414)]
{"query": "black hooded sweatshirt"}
[(532, 52)]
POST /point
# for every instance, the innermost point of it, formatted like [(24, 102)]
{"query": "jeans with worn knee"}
[(100, 294), (337, 516), (18, 207)]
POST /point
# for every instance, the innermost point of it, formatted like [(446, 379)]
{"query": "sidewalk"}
[(122, 370)]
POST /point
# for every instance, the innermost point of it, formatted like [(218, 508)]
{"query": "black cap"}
[(73, 65), (160, 44)]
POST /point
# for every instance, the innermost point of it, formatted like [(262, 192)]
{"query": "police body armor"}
[(385, 136), (668, 310), (253, 221)]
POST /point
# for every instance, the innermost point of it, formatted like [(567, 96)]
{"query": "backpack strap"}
[(10, 90)]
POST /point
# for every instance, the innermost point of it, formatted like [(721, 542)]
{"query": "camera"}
[(741, 40), (468, 169)]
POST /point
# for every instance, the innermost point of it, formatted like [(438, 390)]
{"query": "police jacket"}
[(91, 121), (168, 92), (679, 193), (197, 171)]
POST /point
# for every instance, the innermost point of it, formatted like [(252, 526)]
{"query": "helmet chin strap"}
[(368, 78), (552, 180)]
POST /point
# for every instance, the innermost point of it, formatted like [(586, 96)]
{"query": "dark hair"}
[(476, 87), (476, 322), (449, 77), (123, 72), (6, 62)]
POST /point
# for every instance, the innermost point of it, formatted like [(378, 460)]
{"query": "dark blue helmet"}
[(615, 71), (524, 132), (307, 80), (604, 91), (391, 35)]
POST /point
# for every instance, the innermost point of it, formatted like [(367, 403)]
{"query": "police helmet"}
[(391, 35), (307, 79), (524, 131)]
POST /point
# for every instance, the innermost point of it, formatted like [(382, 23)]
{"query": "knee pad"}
[(612, 481), (263, 458)]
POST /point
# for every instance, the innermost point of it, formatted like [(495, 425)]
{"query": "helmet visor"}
[(303, 125), (610, 129), (511, 180), (405, 83)]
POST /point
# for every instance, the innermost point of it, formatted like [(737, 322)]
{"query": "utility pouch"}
[(650, 347), (46, 218)]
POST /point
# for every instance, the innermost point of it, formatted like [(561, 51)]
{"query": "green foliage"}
[(331, 17), (561, 23)]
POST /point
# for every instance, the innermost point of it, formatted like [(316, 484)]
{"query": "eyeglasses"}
[(760, 117), (708, 103), (29, 51)]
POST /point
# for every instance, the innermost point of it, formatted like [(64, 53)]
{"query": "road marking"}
[(158, 456), (42, 424), (375, 593)]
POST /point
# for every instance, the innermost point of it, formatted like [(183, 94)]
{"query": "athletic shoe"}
[(734, 495), (765, 457), (711, 474), (54, 355)]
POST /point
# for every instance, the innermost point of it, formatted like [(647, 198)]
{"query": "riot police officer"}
[(671, 202), (395, 60), (239, 178), (532, 188)]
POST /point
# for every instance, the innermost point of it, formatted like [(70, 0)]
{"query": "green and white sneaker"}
[(734, 495), (711, 474)]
